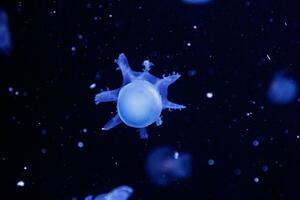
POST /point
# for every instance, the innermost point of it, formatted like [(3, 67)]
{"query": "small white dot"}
[(84, 130), (189, 44), (255, 143), (73, 49), (20, 183), (80, 144), (209, 95), (256, 179), (92, 86), (195, 27), (10, 89), (176, 155)]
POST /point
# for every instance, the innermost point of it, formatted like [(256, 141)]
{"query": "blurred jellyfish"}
[(282, 90), (165, 165), (5, 40), (197, 2), (119, 193)]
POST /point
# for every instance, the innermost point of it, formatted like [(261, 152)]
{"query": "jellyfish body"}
[(282, 90), (164, 165), (119, 193), (141, 99), (5, 40)]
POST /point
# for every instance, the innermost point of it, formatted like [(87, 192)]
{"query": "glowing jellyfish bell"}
[(141, 99), (282, 90), (165, 165)]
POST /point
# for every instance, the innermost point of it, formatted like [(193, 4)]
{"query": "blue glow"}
[(5, 40), (141, 99), (283, 90), (120, 193), (199, 2), (211, 162), (166, 165), (142, 112)]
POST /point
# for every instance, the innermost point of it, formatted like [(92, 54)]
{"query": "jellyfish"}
[(5, 40), (120, 193), (165, 165), (282, 90), (141, 99), (197, 2)]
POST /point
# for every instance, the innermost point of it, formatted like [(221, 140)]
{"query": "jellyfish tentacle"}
[(107, 96), (116, 120), (147, 65), (172, 106), (143, 133), (123, 64), (159, 121), (163, 84)]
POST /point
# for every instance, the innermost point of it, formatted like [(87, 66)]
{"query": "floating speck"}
[(209, 95), (20, 183), (211, 162), (255, 143), (256, 179), (80, 144), (92, 86), (73, 49)]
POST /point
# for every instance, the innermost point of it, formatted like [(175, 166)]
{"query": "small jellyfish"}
[(196, 2), (119, 193), (282, 90), (141, 99), (165, 165), (5, 40)]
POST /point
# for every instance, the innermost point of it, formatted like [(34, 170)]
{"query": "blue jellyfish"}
[(141, 99), (5, 40), (165, 165), (197, 2), (119, 193), (282, 90)]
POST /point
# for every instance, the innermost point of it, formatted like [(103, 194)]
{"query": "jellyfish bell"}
[(139, 104)]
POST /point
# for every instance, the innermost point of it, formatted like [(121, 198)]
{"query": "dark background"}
[(229, 48)]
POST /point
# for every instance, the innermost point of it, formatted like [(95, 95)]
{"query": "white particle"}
[(209, 95), (176, 155), (249, 113), (10, 89), (20, 183), (269, 58), (195, 27), (73, 49), (84, 130), (93, 85), (189, 44), (25, 168), (255, 143), (285, 23), (110, 15), (80, 144), (298, 136), (256, 179)]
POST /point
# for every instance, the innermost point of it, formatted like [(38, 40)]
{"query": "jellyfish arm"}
[(123, 65), (112, 123), (107, 96), (162, 86)]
